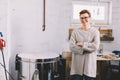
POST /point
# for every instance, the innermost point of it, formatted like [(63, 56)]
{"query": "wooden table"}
[(101, 66), (105, 59)]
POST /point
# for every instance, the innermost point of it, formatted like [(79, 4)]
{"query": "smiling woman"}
[(84, 43)]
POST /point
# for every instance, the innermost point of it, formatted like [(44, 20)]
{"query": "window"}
[(100, 12)]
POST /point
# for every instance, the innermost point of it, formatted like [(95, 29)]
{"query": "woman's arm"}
[(73, 47), (91, 46)]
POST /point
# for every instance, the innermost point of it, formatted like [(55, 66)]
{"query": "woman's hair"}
[(85, 11)]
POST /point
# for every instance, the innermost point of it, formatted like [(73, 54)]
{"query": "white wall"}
[(114, 45), (25, 19), (3, 29)]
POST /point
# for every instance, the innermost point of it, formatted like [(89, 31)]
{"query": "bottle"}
[(1, 43), (49, 75), (36, 75), (100, 54), (1, 34)]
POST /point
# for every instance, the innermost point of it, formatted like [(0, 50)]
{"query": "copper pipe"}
[(44, 15)]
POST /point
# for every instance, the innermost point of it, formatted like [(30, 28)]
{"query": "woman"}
[(84, 43)]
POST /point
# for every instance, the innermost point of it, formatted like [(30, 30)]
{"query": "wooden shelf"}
[(106, 35), (106, 39)]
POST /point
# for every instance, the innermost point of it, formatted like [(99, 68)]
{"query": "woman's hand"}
[(79, 44)]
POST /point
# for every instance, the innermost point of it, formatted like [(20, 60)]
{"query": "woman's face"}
[(85, 19)]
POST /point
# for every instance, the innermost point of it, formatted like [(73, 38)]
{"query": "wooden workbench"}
[(102, 66)]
